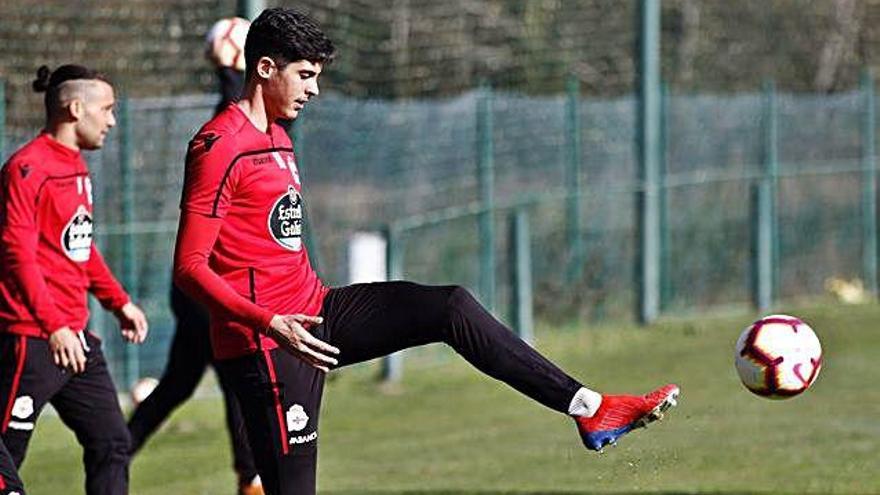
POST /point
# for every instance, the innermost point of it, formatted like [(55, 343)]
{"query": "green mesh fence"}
[(160, 130), (413, 164)]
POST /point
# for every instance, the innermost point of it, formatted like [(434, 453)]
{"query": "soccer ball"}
[(225, 42), (142, 389), (778, 357)]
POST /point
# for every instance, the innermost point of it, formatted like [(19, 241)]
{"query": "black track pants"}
[(189, 356), (281, 395), (10, 483), (86, 403)]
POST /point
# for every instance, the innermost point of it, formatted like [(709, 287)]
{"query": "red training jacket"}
[(47, 258), (240, 246)]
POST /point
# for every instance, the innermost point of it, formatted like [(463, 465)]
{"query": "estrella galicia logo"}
[(286, 220), (76, 238)]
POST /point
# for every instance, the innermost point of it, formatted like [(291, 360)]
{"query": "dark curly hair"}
[(286, 35)]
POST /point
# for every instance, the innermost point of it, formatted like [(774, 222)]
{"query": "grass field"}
[(451, 431)]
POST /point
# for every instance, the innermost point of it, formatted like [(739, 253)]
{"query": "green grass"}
[(452, 431)]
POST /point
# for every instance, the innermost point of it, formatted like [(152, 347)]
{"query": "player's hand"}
[(67, 350), (290, 332), (133, 323)]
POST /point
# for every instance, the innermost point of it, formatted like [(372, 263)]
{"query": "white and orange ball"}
[(225, 42), (778, 357)]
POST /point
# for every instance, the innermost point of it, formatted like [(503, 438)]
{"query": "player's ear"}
[(76, 108), (266, 67)]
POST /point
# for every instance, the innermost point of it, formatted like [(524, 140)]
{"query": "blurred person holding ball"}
[(190, 352)]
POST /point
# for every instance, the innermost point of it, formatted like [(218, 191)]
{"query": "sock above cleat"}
[(584, 403)]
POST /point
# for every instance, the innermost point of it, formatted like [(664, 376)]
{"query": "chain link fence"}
[(415, 165)]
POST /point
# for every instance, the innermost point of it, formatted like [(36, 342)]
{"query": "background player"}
[(190, 352), (224, 47), (276, 328), (48, 262)]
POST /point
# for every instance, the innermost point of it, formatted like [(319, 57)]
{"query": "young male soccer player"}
[(276, 328), (190, 352), (48, 263)]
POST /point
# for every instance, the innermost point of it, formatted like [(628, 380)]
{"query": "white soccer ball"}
[(778, 357), (225, 42), (142, 389)]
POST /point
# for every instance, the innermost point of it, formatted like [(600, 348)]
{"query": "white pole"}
[(368, 262), (367, 258)]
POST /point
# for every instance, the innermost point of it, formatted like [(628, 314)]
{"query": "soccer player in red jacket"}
[(48, 264), (276, 328)]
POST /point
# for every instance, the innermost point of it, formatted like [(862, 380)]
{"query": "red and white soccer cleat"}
[(619, 414)]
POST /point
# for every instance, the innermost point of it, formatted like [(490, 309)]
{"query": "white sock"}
[(585, 403)]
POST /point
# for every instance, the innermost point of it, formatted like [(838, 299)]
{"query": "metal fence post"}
[(649, 150), (521, 273), (310, 236), (573, 179), (869, 184), (2, 120), (665, 234), (296, 136), (764, 215), (392, 365), (249, 9), (126, 153), (486, 182)]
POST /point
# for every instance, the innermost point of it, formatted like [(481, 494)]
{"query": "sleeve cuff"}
[(263, 319), (54, 326), (116, 303)]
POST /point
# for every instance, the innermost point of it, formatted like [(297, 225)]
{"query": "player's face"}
[(95, 115), (290, 88)]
